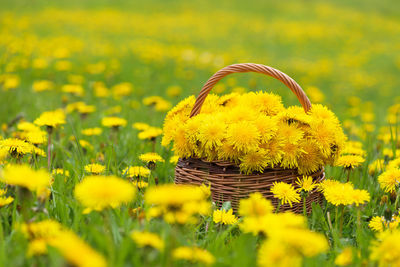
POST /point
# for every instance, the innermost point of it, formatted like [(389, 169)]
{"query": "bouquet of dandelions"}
[(255, 131)]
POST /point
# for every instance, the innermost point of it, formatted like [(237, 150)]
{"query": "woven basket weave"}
[(227, 183)]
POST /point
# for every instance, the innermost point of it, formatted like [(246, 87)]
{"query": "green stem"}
[(278, 207), (49, 131), (397, 199), (341, 219), (304, 206)]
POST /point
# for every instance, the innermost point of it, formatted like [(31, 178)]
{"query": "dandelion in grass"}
[(380, 224), (150, 133), (39, 235), (147, 239), (224, 217), (349, 161), (101, 192), (385, 250), (376, 166), (85, 145), (22, 175), (151, 159), (113, 122), (95, 168), (136, 171), (360, 197), (339, 193), (255, 206), (174, 160), (76, 251), (345, 257), (141, 126), (140, 184), (194, 255), (177, 203), (16, 147), (5, 200), (285, 193), (36, 137), (52, 120), (389, 180), (306, 184), (92, 131)]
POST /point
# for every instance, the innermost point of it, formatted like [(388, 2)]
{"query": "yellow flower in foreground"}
[(147, 239), (95, 168), (76, 251), (113, 122), (51, 118), (285, 193), (386, 248), (193, 254), (389, 180), (100, 192), (224, 217), (345, 257), (151, 157), (22, 175), (255, 206)]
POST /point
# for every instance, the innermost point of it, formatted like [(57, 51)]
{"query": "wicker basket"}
[(227, 183)]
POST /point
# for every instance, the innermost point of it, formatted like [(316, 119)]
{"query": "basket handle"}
[(250, 67)]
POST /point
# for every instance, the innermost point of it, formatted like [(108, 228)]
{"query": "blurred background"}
[(345, 54)]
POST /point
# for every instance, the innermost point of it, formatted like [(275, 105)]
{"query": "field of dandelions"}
[(87, 169)]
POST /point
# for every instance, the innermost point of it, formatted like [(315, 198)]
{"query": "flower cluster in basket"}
[(255, 131)]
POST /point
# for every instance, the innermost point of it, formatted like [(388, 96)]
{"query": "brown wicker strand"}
[(250, 67)]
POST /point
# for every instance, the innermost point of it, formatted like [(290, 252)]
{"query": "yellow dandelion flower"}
[(255, 206), (267, 126), (113, 122), (51, 118), (174, 160), (243, 136), (393, 164), (306, 183), (386, 248), (150, 133), (389, 180), (349, 161), (151, 157), (16, 147), (42, 85), (290, 133), (322, 113), (59, 171), (310, 159), (211, 132), (193, 254), (224, 217), (122, 89), (268, 103), (4, 200), (376, 166), (95, 168), (22, 175), (147, 239), (285, 193), (76, 251), (100, 192), (380, 224), (254, 161), (140, 184), (324, 135), (136, 171), (36, 137), (291, 154), (274, 151), (74, 89), (345, 257), (85, 144), (92, 131), (141, 126), (27, 127)]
